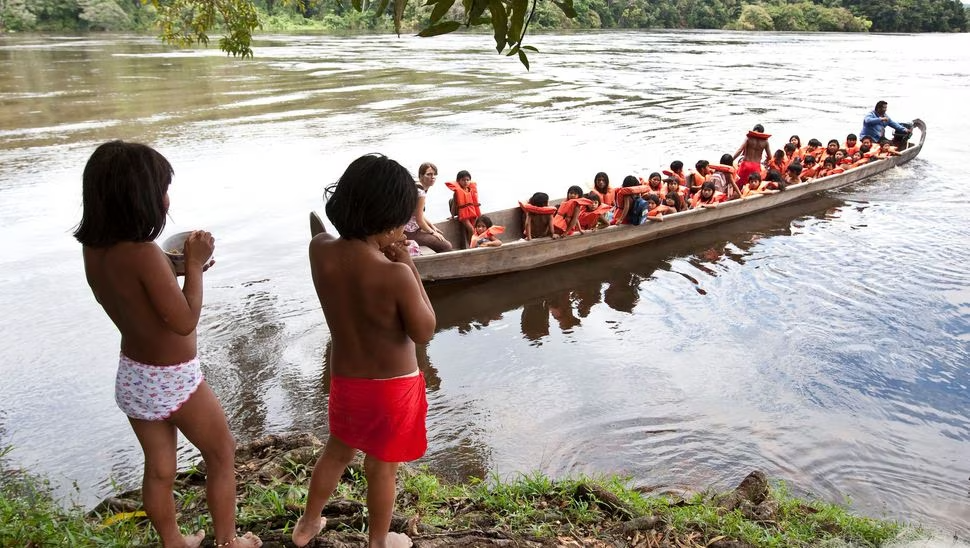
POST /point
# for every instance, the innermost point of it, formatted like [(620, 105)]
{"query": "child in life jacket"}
[(886, 149), (655, 183), (537, 221), (677, 171), (159, 384), (828, 168), (566, 220), (594, 213), (630, 205), (852, 144), (793, 175), (809, 168), (601, 186), (656, 208), (375, 304), (753, 187), (706, 197), (486, 233), (466, 207), (675, 192)]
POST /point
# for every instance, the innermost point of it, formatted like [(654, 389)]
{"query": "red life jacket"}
[(466, 200), (493, 230), (588, 219), (621, 194), (716, 198), (536, 210), (607, 198), (566, 211), (758, 135)]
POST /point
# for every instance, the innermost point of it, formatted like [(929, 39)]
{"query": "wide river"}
[(826, 343)]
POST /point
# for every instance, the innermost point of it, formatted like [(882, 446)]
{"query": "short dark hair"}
[(864, 148), (759, 128), (653, 198), (795, 168), (727, 159), (708, 185), (593, 197), (485, 220), (851, 137), (654, 174), (809, 160), (829, 160), (814, 143), (539, 199), (424, 167), (754, 177), (630, 180), (462, 174), (375, 194), (833, 142), (773, 176), (789, 148), (676, 165), (575, 189), (881, 104), (701, 164), (123, 195)]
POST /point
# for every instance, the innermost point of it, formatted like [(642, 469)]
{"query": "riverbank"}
[(531, 510)]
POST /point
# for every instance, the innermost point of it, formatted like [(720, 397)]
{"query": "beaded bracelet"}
[(227, 543)]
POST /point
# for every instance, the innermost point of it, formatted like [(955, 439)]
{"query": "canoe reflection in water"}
[(568, 293)]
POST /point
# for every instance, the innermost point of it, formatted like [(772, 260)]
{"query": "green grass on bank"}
[(530, 506)]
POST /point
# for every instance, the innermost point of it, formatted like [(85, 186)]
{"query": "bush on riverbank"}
[(531, 510)]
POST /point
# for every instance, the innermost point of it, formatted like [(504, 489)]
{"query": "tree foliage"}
[(187, 22)]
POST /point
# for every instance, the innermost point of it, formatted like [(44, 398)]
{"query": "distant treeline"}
[(276, 15)]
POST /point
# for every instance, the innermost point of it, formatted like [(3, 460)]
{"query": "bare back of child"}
[(159, 384), (376, 309)]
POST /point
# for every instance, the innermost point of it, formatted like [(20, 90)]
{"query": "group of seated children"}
[(672, 191)]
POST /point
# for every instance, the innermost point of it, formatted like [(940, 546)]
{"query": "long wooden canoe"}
[(516, 254)]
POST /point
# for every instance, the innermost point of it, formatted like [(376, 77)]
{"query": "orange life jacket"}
[(723, 168), (488, 234), (466, 200), (566, 211), (758, 135), (607, 198), (588, 219), (691, 180), (716, 198), (747, 191), (679, 176), (659, 190), (851, 150), (809, 172), (620, 195), (536, 210)]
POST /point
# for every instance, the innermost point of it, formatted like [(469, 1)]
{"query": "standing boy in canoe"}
[(376, 309), (755, 146)]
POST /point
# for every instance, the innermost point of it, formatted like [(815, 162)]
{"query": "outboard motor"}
[(900, 139)]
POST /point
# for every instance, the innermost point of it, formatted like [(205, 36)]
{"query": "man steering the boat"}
[(874, 124), (752, 149)]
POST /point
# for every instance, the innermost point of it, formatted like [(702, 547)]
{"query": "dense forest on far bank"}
[(290, 15)]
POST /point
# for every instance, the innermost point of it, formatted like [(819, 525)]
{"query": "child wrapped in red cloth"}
[(376, 309)]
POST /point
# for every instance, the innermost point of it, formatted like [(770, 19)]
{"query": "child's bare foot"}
[(248, 540), (194, 541), (307, 528), (396, 540)]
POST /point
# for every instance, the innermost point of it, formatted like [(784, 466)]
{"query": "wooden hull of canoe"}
[(517, 254)]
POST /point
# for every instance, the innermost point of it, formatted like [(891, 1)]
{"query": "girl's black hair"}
[(485, 220), (676, 165), (462, 174), (593, 197), (630, 180), (797, 138), (814, 143), (375, 194), (655, 174), (575, 189), (123, 195), (604, 176), (652, 197), (727, 159), (539, 199)]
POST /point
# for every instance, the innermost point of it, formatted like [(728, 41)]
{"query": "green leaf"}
[(478, 8), (531, 48), (567, 7), (431, 2), (499, 23), (441, 28), (357, 4), (517, 20), (440, 9), (515, 49), (524, 59)]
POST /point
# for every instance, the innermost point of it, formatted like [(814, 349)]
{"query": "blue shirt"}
[(874, 128)]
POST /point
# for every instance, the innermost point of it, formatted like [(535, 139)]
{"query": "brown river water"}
[(825, 343)]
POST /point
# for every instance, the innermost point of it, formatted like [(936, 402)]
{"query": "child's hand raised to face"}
[(397, 252)]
